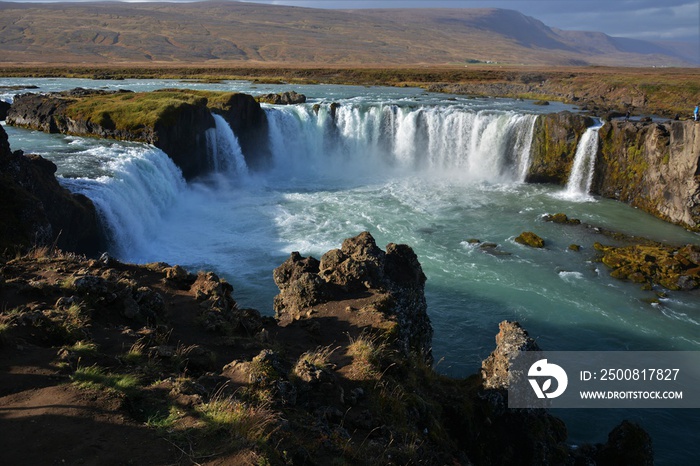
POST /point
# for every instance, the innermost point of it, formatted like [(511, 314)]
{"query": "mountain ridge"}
[(216, 32)]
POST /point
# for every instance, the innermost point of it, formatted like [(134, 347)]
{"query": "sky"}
[(674, 20)]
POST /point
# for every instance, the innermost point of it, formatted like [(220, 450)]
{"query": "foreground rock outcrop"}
[(360, 269), (37, 211), (343, 379)]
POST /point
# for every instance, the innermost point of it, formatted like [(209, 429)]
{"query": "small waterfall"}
[(224, 150), (376, 138), (131, 202), (581, 177)]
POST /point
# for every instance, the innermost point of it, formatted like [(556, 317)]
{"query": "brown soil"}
[(48, 418)]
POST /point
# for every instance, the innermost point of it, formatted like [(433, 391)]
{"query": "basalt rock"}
[(529, 238), (654, 167), (505, 436), (180, 132), (561, 218), (36, 210), (179, 127), (556, 136), (282, 98), (674, 268), (4, 108), (358, 268), (510, 341)]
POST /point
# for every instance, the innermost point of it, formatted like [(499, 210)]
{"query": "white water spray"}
[(131, 202), (376, 139), (581, 177), (225, 152)]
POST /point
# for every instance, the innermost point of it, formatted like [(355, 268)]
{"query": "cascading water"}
[(225, 153), (143, 184), (581, 177), (480, 146), (370, 167)]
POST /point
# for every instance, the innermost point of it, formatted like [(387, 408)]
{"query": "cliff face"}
[(174, 121), (36, 210), (556, 136), (651, 166), (179, 130), (655, 167)]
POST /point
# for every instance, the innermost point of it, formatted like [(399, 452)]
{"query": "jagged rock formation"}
[(282, 98), (533, 436), (652, 166), (4, 108), (556, 136), (36, 210), (359, 268), (335, 382)]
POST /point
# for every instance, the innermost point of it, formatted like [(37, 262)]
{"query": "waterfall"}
[(361, 141), (143, 184), (225, 152), (581, 177), (487, 146)]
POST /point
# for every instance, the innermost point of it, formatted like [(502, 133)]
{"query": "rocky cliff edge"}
[(157, 365), (37, 211)]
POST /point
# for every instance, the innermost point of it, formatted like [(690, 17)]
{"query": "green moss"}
[(136, 111), (529, 238)]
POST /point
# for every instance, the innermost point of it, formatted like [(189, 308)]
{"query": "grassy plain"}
[(660, 91)]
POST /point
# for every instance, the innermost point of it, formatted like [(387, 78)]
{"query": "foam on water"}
[(431, 176)]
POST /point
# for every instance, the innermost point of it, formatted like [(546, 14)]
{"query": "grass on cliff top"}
[(132, 111)]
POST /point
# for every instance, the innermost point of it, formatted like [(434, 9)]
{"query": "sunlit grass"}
[(94, 377)]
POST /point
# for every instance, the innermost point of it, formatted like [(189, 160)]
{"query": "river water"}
[(430, 170)]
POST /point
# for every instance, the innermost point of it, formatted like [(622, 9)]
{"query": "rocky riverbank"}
[(36, 210), (156, 365), (168, 360)]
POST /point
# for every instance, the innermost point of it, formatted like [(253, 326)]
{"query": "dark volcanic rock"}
[(36, 210), (503, 436), (554, 146), (282, 98), (358, 267), (181, 134), (628, 445), (4, 108), (184, 139)]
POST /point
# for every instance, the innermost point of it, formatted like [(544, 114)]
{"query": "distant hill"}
[(229, 33)]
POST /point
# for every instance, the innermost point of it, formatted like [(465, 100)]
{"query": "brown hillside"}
[(217, 33)]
